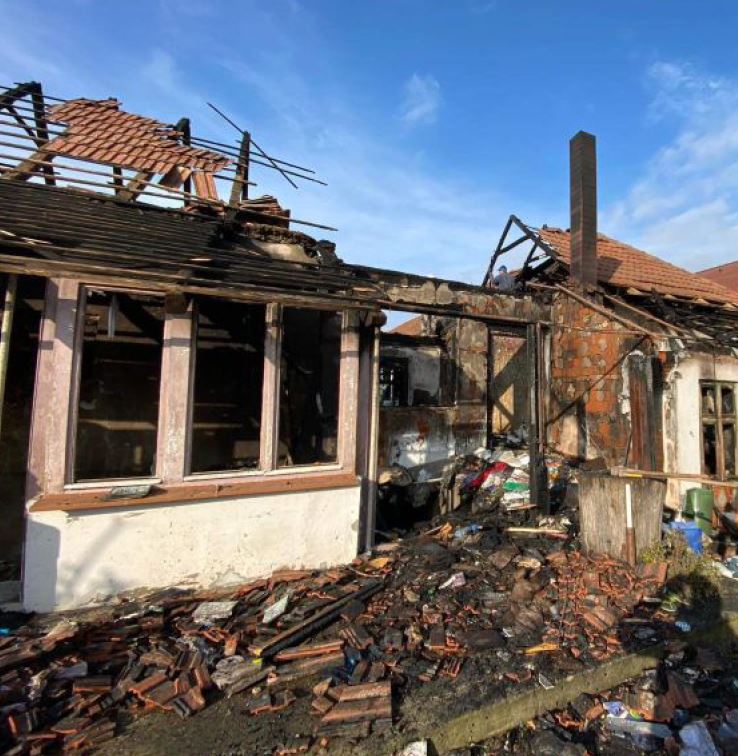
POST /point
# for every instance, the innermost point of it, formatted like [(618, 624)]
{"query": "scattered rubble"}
[(355, 640), (498, 598)]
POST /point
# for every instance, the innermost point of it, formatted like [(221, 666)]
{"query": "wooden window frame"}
[(718, 419), (53, 462)]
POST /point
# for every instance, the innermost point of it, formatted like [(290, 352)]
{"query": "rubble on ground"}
[(497, 598), (355, 639), (688, 705)]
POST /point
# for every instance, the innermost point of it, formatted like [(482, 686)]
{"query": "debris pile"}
[(355, 641), (686, 705)]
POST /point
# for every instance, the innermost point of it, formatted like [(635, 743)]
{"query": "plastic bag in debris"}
[(210, 611), (514, 459), (467, 530), (616, 709), (513, 485), (697, 740)]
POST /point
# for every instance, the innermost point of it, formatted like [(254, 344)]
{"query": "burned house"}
[(190, 385), (194, 392), (641, 363), (636, 356)]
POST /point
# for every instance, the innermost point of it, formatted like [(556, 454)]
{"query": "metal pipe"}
[(6, 329)]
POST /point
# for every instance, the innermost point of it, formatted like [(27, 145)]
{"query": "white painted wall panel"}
[(77, 559)]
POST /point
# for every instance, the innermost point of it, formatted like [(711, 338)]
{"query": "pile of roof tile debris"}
[(353, 641), (688, 705)]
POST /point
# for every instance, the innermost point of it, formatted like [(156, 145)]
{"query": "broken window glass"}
[(120, 372), (393, 382), (709, 449), (727, 402), (229, 376), (729, 449), (309, 387), (708, 399)]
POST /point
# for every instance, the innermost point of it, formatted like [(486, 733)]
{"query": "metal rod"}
[(254, 161), (273, 161), (240, 130), (231, 146), (5, 331)]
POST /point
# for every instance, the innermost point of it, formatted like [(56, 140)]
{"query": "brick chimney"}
[(583, 203)]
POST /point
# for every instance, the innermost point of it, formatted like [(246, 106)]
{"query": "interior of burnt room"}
[(22, 299), (449, 386)]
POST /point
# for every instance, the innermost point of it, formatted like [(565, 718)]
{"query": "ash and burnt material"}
[(438, 611)]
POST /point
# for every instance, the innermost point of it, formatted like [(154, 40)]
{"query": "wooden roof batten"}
[(163, 162)]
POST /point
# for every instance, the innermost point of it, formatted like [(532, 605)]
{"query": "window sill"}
[(191, 491), (96, 485), (235, 475)]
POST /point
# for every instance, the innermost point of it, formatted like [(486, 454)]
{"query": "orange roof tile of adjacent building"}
[(412, 327), (101, 132), (726, 275), (626, 267)]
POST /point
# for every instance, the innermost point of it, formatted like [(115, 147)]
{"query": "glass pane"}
[(393, 382), (708, 400), (727, 401), (709, 449), (229, 376), (308, 397), (118, 407), (729, 449)]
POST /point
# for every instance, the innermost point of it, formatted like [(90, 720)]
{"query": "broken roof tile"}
[(98, 130)]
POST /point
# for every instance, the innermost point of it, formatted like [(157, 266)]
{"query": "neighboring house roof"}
[(412, 327), (626, 267), (726, 275), (103, 133)]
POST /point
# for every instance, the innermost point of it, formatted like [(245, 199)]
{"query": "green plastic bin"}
[(699, 504)]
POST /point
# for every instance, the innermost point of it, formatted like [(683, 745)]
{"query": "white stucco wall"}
[(71, 560), (424, 366), (682, 437)]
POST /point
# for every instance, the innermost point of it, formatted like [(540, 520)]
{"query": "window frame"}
[(76, 384), (718, 419), (176, 397)]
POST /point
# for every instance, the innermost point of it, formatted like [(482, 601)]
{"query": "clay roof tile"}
[(623, 266)]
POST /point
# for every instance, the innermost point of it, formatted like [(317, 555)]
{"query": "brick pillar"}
[(583, 203)]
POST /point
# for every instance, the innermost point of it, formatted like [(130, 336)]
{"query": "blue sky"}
[(431, 121)]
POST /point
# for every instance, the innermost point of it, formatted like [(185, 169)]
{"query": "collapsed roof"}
[(690, 304), (625, 267)]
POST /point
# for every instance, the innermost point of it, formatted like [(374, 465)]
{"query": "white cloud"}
[(684, 206), (392, 208), (422, 100)]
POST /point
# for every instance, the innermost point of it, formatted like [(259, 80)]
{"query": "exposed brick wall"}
[(585, 415)]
